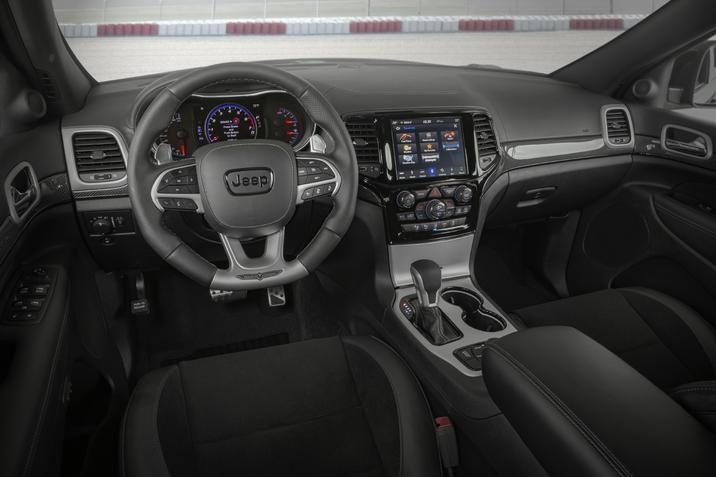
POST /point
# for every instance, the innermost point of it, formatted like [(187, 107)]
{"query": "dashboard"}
[(215, 117), (438, 150)]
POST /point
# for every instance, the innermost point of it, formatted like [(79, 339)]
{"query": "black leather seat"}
[(583, 412), (329, 407), (659, 336)]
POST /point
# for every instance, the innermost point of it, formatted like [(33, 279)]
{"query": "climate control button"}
[(405, 199)]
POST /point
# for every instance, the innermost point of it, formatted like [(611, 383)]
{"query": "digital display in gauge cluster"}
[(208, 119)]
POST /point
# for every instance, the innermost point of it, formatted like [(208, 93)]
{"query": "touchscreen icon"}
[(451, 146), (429, 158), (408, 159), (429, 136), (428, 147), (404, 137), (408, 148), (450, 135)]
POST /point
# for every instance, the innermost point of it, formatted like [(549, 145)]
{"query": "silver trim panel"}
[(523, 152), (452, 254), (470, 336)]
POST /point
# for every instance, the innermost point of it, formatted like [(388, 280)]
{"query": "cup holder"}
[(472, 311)]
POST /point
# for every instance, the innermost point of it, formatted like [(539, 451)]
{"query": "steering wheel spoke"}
[(317, 177), (176, 188), (254, 271)]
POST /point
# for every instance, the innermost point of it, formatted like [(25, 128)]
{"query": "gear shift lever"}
[(427, 278)]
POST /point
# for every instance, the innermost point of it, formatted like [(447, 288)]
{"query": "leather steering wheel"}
[(246, 189)]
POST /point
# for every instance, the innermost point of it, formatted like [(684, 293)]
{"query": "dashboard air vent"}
[(617, 126), (486, 140), (365, 143), (98, 156)]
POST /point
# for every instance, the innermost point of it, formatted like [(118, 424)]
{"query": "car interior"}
[(243, 269)]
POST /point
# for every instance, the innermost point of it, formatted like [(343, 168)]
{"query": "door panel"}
[(659, 228)]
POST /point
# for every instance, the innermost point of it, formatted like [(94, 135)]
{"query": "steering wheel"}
[(246, 189)]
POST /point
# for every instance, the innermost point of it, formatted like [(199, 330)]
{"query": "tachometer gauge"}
[(230, 121), (287, 126)]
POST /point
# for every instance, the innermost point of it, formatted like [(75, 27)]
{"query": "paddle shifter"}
[(427, 278)]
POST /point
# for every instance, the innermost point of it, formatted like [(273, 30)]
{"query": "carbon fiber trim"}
[(101, 193)]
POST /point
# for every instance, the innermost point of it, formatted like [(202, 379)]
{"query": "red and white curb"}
[(343, 26)]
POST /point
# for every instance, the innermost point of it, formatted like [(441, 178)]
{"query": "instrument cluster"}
[(209, 118)]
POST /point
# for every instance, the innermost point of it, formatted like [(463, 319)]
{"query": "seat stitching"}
[(709, 389), (355, 388), (409, 372), (188, 421), (648, 325), (281, 426), (560, 406), (123, 437)]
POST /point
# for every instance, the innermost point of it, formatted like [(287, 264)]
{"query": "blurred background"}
[(89, 11), (122, 38)]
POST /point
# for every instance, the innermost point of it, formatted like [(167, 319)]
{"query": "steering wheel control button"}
[(177, 203), (405, 199), (463, 194), (307, 194), (179, 181)]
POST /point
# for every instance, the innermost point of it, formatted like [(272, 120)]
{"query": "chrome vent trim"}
[(76, 182), (488, 148), (617, 127), (364, 134)]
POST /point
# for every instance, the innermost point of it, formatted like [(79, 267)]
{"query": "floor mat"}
[(187, 323)]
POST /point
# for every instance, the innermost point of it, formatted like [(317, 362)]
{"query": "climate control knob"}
[(436, 209), (463, 194), (405, 199)]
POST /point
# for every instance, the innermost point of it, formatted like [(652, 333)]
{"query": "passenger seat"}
[(659, 336)]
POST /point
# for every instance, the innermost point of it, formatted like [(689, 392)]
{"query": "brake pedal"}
[(276, 296)]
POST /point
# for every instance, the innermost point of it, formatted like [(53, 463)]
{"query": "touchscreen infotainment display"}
[(428, 147)]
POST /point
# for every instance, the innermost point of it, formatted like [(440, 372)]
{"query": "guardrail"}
[(341, 26)]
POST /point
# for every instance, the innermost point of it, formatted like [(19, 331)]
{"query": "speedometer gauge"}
[(287, 126), (230, 121)]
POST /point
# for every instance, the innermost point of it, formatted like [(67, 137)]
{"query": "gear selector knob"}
[(427, 278)]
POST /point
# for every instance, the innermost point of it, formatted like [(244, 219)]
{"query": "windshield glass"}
[(123, 38)]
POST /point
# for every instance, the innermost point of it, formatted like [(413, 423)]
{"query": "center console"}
[(426, 170)]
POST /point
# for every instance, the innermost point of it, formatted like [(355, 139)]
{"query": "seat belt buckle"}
[(447, 443)]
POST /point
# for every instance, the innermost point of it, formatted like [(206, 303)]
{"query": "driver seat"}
[(333, 407)]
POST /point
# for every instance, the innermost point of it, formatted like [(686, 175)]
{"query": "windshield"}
[(123, 38)]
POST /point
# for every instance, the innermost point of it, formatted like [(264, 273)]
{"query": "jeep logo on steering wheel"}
[(249, 181)]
